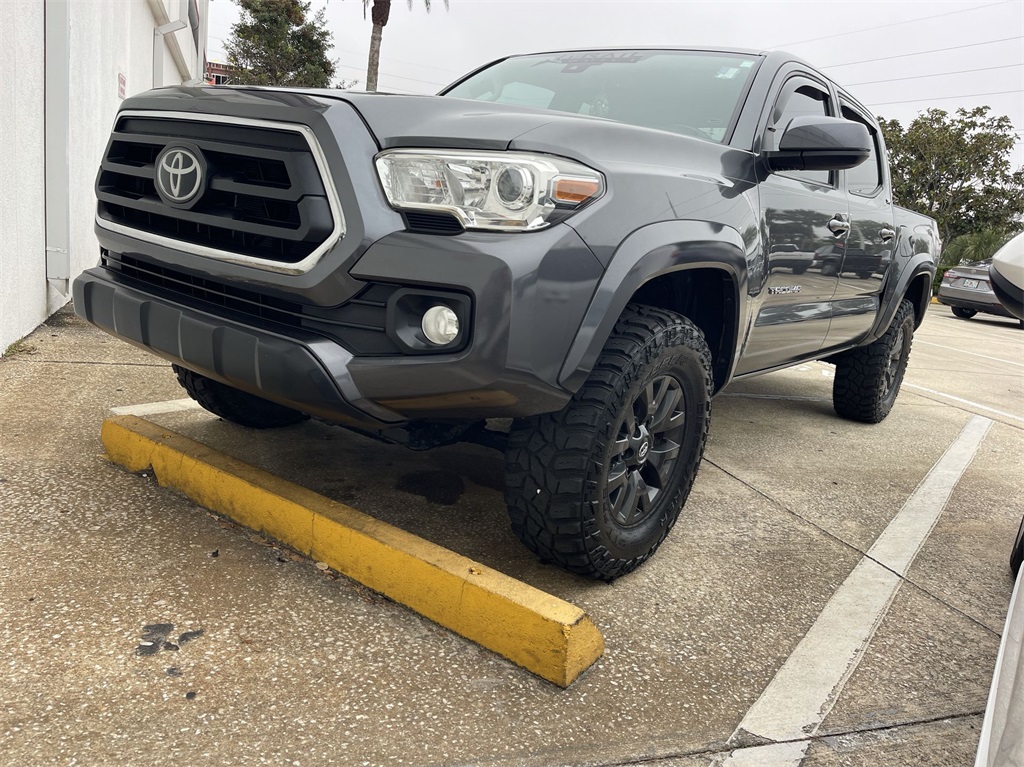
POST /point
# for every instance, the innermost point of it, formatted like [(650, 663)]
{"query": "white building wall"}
[(107, 38), (22, 234)]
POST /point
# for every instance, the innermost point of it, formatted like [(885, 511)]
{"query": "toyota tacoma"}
[(589, 243)]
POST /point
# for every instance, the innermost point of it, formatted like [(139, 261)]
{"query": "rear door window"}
[(866, 178)]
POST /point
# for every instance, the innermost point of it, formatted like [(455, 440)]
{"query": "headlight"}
[(503, 191)]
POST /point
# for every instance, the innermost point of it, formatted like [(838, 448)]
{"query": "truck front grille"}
[(265, 198)]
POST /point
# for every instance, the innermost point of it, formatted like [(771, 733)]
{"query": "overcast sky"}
[(862, 45)]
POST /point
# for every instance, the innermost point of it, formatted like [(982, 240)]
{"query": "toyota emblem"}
[(179, 175)]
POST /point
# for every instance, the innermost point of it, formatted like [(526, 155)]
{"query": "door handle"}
[(838, 225), (886, 234)]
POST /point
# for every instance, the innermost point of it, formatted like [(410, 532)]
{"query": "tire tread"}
[(234, 405), (857, 391), (551, 475)]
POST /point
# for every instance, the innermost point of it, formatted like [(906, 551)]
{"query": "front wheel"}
[(964, 314), (869, 378), (597, 486)]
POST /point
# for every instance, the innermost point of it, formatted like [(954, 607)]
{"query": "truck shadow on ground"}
[(453, 496)]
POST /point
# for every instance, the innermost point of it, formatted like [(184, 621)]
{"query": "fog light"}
[(440, 325)]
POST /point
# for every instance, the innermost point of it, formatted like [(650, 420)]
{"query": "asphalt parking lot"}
[(718, 645)]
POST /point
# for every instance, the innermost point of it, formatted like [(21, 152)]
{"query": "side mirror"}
[(820, 143)]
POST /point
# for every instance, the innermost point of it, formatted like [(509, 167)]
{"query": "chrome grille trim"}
[(299, 267)]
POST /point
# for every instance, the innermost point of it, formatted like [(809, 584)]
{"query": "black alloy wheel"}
[(896, 364), (642, 460)]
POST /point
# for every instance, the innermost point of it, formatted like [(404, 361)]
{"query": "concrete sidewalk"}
[(137, 627)]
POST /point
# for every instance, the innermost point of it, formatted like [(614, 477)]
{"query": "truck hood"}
[(444, 121), (440, 121), (447, 122)]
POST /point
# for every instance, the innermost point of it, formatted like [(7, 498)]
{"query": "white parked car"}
[(1002, 734)]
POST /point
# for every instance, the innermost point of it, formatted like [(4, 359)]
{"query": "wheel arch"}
[(914, 285), (707, 297), (695, 268), (919, 292)]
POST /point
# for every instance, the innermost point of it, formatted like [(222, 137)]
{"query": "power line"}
[(394, 61), (402, 91), (937, 74), (943, 98), (922, 53), (399, 61), (385, 74), (893, 24)]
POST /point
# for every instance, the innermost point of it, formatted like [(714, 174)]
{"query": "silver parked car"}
[(967, 289)]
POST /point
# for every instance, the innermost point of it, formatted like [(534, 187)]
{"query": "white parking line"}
[(949, 348), (155, 408), (976, 405), (805, 688)]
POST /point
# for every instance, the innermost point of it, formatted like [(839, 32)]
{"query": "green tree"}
[(275, 42), (379, 15), (957, 170)]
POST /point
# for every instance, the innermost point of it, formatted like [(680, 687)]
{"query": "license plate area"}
[(973, 284)]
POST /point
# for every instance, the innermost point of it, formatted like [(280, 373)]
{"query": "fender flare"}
[(647, 253), (917, 265)]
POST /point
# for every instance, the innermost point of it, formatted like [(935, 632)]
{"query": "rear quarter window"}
[(865, 178)]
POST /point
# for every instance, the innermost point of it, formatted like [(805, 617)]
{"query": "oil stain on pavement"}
[(443, 487), (157, 637)]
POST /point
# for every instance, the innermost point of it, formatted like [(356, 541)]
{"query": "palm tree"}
[(379, 15), (968, 248)]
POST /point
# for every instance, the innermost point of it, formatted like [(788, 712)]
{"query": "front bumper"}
[(527, 304), (301, 371)]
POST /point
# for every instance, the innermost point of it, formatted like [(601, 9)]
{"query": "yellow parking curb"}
[(542, 633)]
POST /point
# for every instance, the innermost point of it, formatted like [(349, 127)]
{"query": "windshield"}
[(687, 92)]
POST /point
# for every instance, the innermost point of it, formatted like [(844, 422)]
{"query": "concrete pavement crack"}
[(995, 416), (811, 739), (665, 753), (864, 554), (91, 362)]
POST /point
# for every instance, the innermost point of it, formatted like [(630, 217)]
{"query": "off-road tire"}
[(235, 405), (566, 471), (869, 378), (962, 313)]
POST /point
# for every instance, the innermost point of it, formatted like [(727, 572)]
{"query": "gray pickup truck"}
[(591, 243)]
